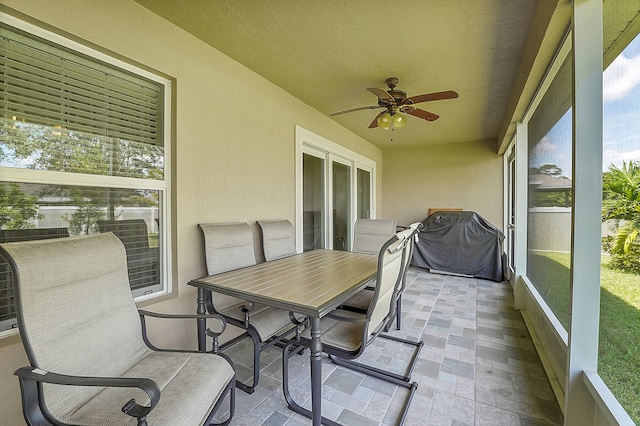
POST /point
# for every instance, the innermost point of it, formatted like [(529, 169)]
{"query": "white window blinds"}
[(58, 97)]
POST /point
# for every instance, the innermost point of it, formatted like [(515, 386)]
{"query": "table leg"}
[(316, 372), (202, 323)]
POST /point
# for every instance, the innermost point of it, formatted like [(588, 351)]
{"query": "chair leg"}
[(384, 374), (30, 393), (258, 347), (257, 350), (398, 312), (293, 405), (231, 391)]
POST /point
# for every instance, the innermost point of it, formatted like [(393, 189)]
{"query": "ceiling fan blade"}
[(374, 123), (383, 95), (417, 112), (436, 96), (355, 109)]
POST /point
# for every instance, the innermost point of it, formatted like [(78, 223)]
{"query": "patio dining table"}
[(312, 283)]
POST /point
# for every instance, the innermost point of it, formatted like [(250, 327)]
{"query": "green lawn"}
[(619, 354)]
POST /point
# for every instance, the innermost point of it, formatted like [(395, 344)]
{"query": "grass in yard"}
[(619, 344), (549, 272), (619, 350)]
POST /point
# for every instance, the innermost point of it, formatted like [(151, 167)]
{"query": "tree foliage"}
[(41, 147), (16, 207), (621, 203)]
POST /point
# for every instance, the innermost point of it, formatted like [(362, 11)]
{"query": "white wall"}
[(463, 175)]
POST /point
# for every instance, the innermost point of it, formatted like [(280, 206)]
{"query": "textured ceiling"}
[(327, 53)]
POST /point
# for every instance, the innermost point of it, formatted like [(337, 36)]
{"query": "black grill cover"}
[(460, 242)]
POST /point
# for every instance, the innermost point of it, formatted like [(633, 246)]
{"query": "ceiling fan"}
[(395, 101)]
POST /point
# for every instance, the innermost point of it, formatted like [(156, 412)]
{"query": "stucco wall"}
[(463, 175), (234, 143)]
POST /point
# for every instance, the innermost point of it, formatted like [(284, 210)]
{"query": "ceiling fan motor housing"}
[(398, 95)]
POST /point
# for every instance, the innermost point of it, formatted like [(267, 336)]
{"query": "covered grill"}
[(460, 242)]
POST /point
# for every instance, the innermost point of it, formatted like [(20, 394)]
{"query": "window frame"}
[(163, 186)]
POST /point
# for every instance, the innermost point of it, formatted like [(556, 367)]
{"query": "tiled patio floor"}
[(478, 366)]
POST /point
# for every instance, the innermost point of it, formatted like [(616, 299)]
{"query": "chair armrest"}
[(219, 317), (131, 408), (209, 332)]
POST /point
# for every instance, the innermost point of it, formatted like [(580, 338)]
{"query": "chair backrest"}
[(74, 307), (278, 238), (371, 234), (7, 308), (227, 246), (390, 269), (414, 228), (132, 232)]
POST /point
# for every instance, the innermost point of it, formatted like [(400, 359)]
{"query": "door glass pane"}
[(619, 339), (511, 226), (341, 202), (364, 194), (550, 190), (313, 202)]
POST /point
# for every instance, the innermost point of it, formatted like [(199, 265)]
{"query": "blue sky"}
[(621, 114), (621, 130)]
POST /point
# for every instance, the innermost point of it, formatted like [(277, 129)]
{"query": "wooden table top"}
[(312, 283)]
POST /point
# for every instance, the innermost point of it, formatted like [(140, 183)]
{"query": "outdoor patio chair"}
[(346, 334), (361, 301), (91, 360), (142, 260), (365, 297), (278, 238), (229, 246)]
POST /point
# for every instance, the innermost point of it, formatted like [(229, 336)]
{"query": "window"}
[(549, 194), (83, 148)]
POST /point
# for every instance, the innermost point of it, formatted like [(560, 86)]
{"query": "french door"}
[(335, 192)]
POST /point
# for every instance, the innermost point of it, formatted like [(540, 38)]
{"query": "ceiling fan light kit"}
[(397, 104), (387, 119)]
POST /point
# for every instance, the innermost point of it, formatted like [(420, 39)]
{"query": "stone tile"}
[(487, 415), (458, 368), (478, 366), (462, 342), (344, 380), (439, 322), (448, 408), (350, 418)]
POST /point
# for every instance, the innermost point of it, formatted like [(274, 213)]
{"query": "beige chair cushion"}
[(371, 234), (190, 384), (266, 320), (278, 238), (227, 246)]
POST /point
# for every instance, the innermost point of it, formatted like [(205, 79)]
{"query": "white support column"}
[(587, 199), (521, 214)]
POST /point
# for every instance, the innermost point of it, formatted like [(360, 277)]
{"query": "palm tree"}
[(621, 202)]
